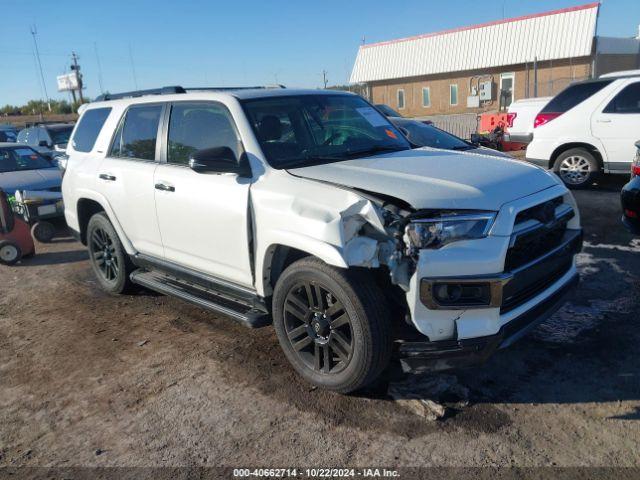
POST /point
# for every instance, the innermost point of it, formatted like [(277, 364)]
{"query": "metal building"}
[(487, 66)]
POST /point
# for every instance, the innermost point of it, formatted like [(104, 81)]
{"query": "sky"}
[(137, 44)]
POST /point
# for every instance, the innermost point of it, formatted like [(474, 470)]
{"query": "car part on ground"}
[(600, 116), (323, 220)]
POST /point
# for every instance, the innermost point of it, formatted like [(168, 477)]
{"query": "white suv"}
[(310, 210), (588, 128)]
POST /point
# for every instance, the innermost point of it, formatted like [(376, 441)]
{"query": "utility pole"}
[(34, 31), (324, 78), (76, 68)]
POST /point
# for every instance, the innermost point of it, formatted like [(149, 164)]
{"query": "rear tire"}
[(577, 168), (10, 252), (108, 258), (332, 324)]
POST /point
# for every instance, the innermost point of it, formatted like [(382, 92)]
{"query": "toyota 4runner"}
[(309, 210)]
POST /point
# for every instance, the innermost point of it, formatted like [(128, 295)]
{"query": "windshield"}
[(305, 130), (17, 159), (60, 136), (387, 110), (430, 136)]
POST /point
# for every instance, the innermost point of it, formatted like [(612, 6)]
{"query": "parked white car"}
[(310, 210), (589, 128), (523, 113)]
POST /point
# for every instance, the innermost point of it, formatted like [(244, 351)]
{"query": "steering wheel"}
[(331, 138)]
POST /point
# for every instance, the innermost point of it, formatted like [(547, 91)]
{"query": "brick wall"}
[(552, 77)]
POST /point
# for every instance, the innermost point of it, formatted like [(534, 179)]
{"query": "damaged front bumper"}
[(419, 356)]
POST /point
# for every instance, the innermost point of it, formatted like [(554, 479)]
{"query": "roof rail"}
[(173, 90), (140, 93)]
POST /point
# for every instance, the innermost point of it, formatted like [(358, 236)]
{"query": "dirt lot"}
[(94, 380)]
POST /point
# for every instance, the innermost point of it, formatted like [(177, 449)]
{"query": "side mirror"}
[(43, 143), (475, 139), (218, 160)]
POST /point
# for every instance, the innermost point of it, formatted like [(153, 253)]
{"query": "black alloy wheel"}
[(318, 327), (103, 251)]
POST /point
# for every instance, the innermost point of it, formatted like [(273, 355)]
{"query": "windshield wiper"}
[(372, 151), (463, 147), (307, 160)]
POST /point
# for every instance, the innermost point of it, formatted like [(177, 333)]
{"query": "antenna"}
[(133, 68), (34, 31), (95, 49)]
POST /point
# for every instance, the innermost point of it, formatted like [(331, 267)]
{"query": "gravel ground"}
[(87, 379)]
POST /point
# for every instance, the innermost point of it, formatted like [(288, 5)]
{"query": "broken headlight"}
[(438, 231)]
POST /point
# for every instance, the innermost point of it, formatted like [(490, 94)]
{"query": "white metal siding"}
[(555, 36)]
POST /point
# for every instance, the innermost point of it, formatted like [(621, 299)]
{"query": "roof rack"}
[(173, 90)]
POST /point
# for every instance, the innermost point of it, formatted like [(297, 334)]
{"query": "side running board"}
[(249, 315)]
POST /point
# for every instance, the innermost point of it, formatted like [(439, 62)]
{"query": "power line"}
[(34, 31)]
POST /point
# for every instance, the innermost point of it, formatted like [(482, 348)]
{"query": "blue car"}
[(8, 133), (22, 168)]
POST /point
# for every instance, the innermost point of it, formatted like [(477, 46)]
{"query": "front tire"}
[(332, 324), (108, 258), (577, 168)]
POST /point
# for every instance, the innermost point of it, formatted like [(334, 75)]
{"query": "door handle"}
[(165, 188), (603, 120), (106, 176)]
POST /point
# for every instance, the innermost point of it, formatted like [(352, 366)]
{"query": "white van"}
[(589, 128)]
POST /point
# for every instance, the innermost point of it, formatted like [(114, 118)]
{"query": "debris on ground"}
[(143, 343), (430, 396)]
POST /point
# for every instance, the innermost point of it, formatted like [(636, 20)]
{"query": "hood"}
[(43, 179), (433, 178)]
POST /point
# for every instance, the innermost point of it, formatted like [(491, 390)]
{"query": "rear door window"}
[(89, 128), (627, 101), (573, 96), (137, 134)]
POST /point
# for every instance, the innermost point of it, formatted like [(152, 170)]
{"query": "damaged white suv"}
[(309, 210)]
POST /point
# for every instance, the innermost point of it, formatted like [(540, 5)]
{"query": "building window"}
[(507, 84), (400, 99), (453, 94), (426, 97)]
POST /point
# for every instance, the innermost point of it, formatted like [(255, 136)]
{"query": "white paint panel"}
[(557, 35)]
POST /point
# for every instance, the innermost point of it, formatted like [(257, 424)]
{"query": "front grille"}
[(538, 230), (515, 295), (541, 212), (541, 251), (529, 246)]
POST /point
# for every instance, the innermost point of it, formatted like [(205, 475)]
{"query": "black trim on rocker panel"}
[(239, 292)]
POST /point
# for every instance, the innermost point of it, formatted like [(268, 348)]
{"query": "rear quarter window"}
[(89, 128), (573, 96)]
